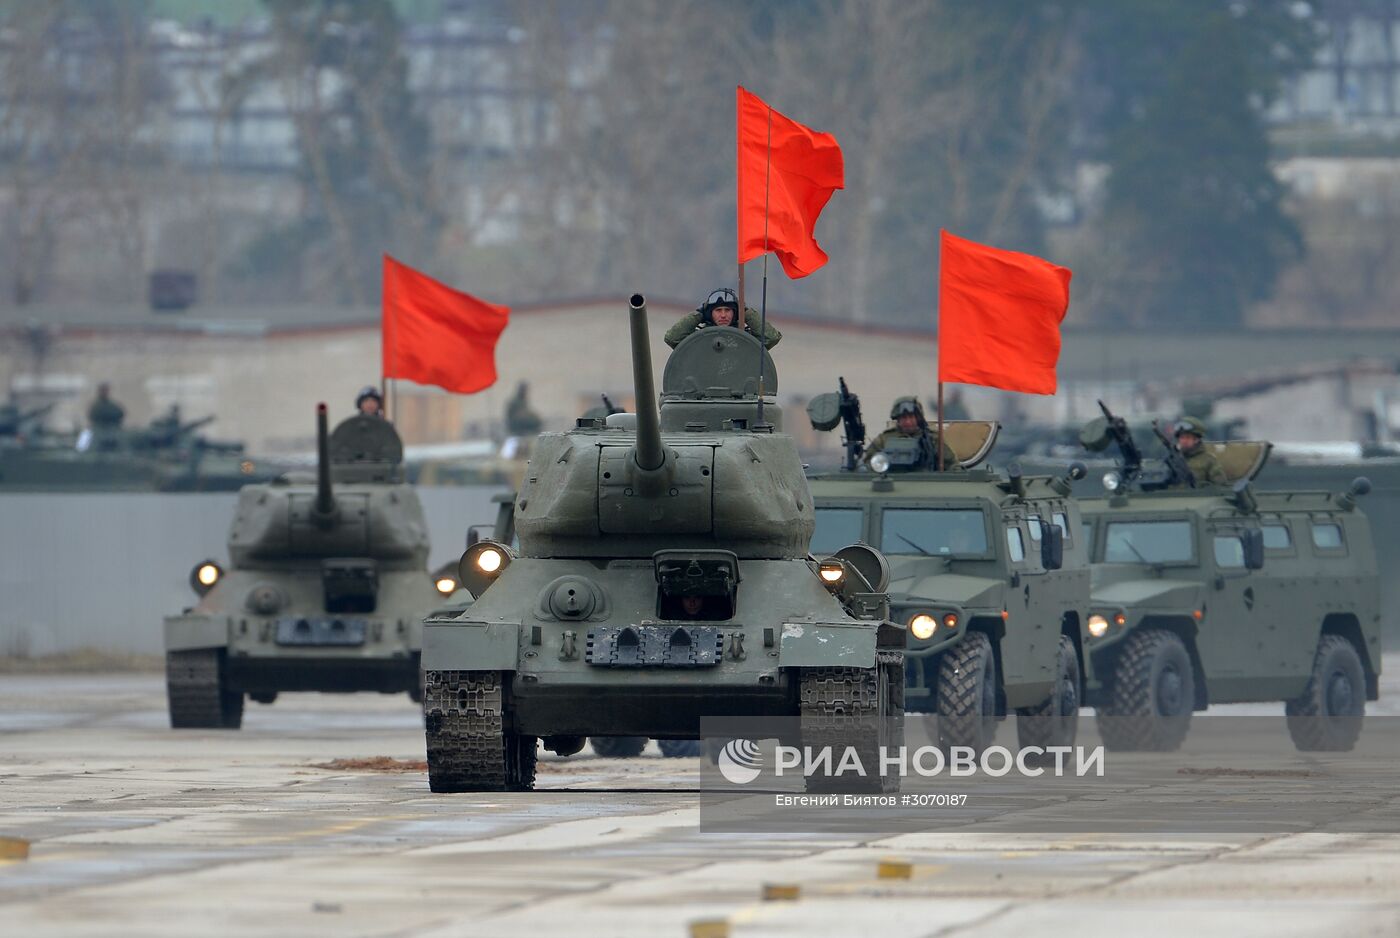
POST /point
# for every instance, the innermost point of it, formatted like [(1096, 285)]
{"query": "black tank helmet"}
[(369, 391), (721, 297)]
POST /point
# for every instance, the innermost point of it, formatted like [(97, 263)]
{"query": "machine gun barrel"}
[(185, 429), (324, 508), (854, 426), (648, 452)]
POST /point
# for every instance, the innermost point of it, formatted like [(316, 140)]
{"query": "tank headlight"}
[(204, 575), (923, 625), (489, 560), (832, 572), (1098, 625), (880, 462), (446, 585), (1112, 481), (481, 565)]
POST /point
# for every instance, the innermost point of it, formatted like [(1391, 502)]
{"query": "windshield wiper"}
[(906, 540), (1156, 567)]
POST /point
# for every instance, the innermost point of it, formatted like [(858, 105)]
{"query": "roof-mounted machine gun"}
[(826, 410), (1108, 429)]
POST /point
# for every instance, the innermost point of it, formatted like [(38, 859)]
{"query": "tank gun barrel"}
[(36, 413), (185, 429), (648, 452), (324, 509)]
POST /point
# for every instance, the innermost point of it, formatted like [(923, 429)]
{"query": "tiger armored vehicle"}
[(326, 589), (662, 576), (1226, 594), (988, 572)]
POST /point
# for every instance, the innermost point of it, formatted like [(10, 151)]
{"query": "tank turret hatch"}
[(366, 449), (711, 382)]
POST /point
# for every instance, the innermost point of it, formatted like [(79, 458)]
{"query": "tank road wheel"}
[(855, 708), (199, 698), (680, 748), (470, 746), (618, 747), (1056, 721), (966, 713), (1327, 716), (1153, 693)]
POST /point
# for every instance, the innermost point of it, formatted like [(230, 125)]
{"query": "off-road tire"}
[(1327, 716), (618, 747), (1152, 695), (966, 710), (198, 692), (680, 748), (862, 708), (469, 741), (1055, 722)]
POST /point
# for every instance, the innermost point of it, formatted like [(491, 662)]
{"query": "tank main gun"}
[(648, 454), (323, 511)]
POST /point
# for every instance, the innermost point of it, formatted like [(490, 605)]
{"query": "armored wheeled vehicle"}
[(1226, 594), (326, 589), (988, 572), (662, 577)]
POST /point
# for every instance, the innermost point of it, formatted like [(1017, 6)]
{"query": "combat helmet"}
[(722, 296), (908, 405), (1189, 425)]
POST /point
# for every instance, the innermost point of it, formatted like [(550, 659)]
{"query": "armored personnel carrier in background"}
[(662, 576), (989, 573), (1225, 594), (326, 590)]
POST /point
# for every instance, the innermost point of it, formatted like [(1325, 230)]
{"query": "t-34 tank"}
[(662, 576), (326, 590)]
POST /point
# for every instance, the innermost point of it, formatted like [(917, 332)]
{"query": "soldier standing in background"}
[(105, 414), (1190, 436), (721, 308), (909, 444), (521, 419)]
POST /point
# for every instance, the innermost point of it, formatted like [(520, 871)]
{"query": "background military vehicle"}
[(167, 455), (326, 590), (662, 576), (1224, 594), (988, 572)]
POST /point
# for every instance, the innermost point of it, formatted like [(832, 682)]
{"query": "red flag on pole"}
[(786, 175), (433, 334), (999, 315)]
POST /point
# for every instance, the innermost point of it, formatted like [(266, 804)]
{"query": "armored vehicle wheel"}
[(858, 708), (263, 697), (470, 745), (966, 712), (618, 747), (1153, 694), (1056, 721), (1328, 715), (199, 699), (680, 748)]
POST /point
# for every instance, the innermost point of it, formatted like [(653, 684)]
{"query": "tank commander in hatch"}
[(1190, 436), (909, 444), (105, 413), (368, 403), (721, 308)]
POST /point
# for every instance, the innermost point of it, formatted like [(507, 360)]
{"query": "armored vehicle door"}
[(1232, 636), (1289, 613), (1032, 629)]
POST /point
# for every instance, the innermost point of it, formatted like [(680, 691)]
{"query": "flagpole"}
[(739, 203), (940, 422), (763, 303)]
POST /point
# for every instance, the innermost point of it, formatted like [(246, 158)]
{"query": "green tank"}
[(167, 455), (1224, 594), (662, 576), (988, 572), (326, 589)]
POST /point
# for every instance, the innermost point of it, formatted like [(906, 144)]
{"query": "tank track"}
[(469, 746), (1133, 724), (857, 707), (195, 688)]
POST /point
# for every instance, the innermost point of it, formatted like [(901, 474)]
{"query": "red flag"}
[(999, 315), (792, 179), (433, 334)]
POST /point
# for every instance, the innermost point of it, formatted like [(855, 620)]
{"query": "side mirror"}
[(1253, 540), (1052, 546)]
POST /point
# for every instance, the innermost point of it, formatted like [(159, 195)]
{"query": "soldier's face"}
[(369, 407), (722, 315), (692, 605), (1187, 440), (907, 423)]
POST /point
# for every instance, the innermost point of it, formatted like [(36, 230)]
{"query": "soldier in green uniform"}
[(910, 443), (368, 402), (521, 419), (1190, 436), (105, 414), (721, 308)]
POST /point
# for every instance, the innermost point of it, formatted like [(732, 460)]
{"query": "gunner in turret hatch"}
[(721, 308), (368, 402)]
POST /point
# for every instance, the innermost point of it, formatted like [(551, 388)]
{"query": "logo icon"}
[(740, 761)]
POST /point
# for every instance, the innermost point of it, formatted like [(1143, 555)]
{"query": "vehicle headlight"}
[(1112, 481), (479, 567), (446, 585), (923, 625), (831, 572), (880, 462), (950, 620), (204, 575), (489, 560), (1098, 625)]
